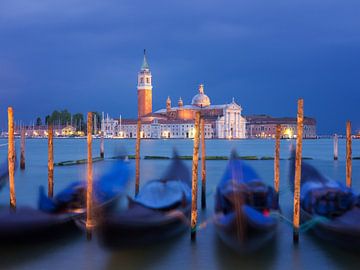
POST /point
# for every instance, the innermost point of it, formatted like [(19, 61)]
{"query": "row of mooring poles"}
[(348, 153), (11, 166), (199, 130), (297, 180)]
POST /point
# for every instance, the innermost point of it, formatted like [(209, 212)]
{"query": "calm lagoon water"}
[(208, 252)]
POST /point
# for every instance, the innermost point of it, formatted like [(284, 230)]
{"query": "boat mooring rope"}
[(306, 225)]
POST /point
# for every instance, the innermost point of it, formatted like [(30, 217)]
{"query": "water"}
[(208, 252)]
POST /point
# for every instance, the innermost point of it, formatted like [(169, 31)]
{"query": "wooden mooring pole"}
[(22, 150), (101, 144), (89, 189), (297, 180), (137, 157), (277, 163), (194, 183), (348, 155), (11, 158), (336, 147), (50, 161), (203, 164)]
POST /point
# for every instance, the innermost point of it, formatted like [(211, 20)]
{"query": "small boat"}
[(330, 209), (243, 208), (55, 217), (161, 210)]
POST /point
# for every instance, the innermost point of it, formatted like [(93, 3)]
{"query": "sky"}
[(84, 55)]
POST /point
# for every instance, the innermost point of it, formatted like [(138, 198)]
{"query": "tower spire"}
[(145, 65)]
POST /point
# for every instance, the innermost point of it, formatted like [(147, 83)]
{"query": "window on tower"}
[(147, 80), (141, 80)]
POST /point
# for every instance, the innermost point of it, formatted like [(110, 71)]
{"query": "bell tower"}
[(144, 89)]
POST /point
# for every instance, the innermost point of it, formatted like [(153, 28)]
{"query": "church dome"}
[(201, 100)]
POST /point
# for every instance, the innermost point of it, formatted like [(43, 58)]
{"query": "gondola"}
[(244, 207), (55, 217), (330, 209), (161, 210)]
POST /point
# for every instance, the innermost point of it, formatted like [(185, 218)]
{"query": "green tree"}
[(78, 120), (65, 117), (38, 121), (47, 120)]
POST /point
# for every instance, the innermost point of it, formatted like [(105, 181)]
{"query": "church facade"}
[(223, 121)]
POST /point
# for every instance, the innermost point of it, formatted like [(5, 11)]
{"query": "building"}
[(42, 131), (264, 126), (221, 121)]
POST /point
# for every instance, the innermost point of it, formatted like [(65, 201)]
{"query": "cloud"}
[(79, 54)]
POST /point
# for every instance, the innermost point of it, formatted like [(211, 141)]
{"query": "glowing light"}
[(288, 133), (166, 134)]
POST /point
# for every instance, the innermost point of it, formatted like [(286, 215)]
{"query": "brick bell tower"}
[(144, 89)]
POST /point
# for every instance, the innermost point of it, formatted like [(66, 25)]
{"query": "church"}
[(223, 121)]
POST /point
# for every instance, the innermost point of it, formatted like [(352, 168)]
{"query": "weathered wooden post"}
[(11, 158), (50, 161), (101, 144), (89, 189), (297, 180), (348, 155), (137, 157), (336, 147), (22, 150), (203, 164), (277, 162), (194, 183)]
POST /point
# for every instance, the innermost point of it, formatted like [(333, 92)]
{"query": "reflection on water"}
[(74, 252)]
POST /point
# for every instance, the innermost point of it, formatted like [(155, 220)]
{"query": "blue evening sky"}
[(84, 55)]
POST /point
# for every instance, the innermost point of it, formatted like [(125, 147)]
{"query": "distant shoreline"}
[(116, 138)]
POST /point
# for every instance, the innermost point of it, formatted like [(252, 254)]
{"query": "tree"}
[(78, 119), (47, 120), (38, 121), (65, 117)]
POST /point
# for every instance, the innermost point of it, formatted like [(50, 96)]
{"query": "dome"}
[(201, 100)]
